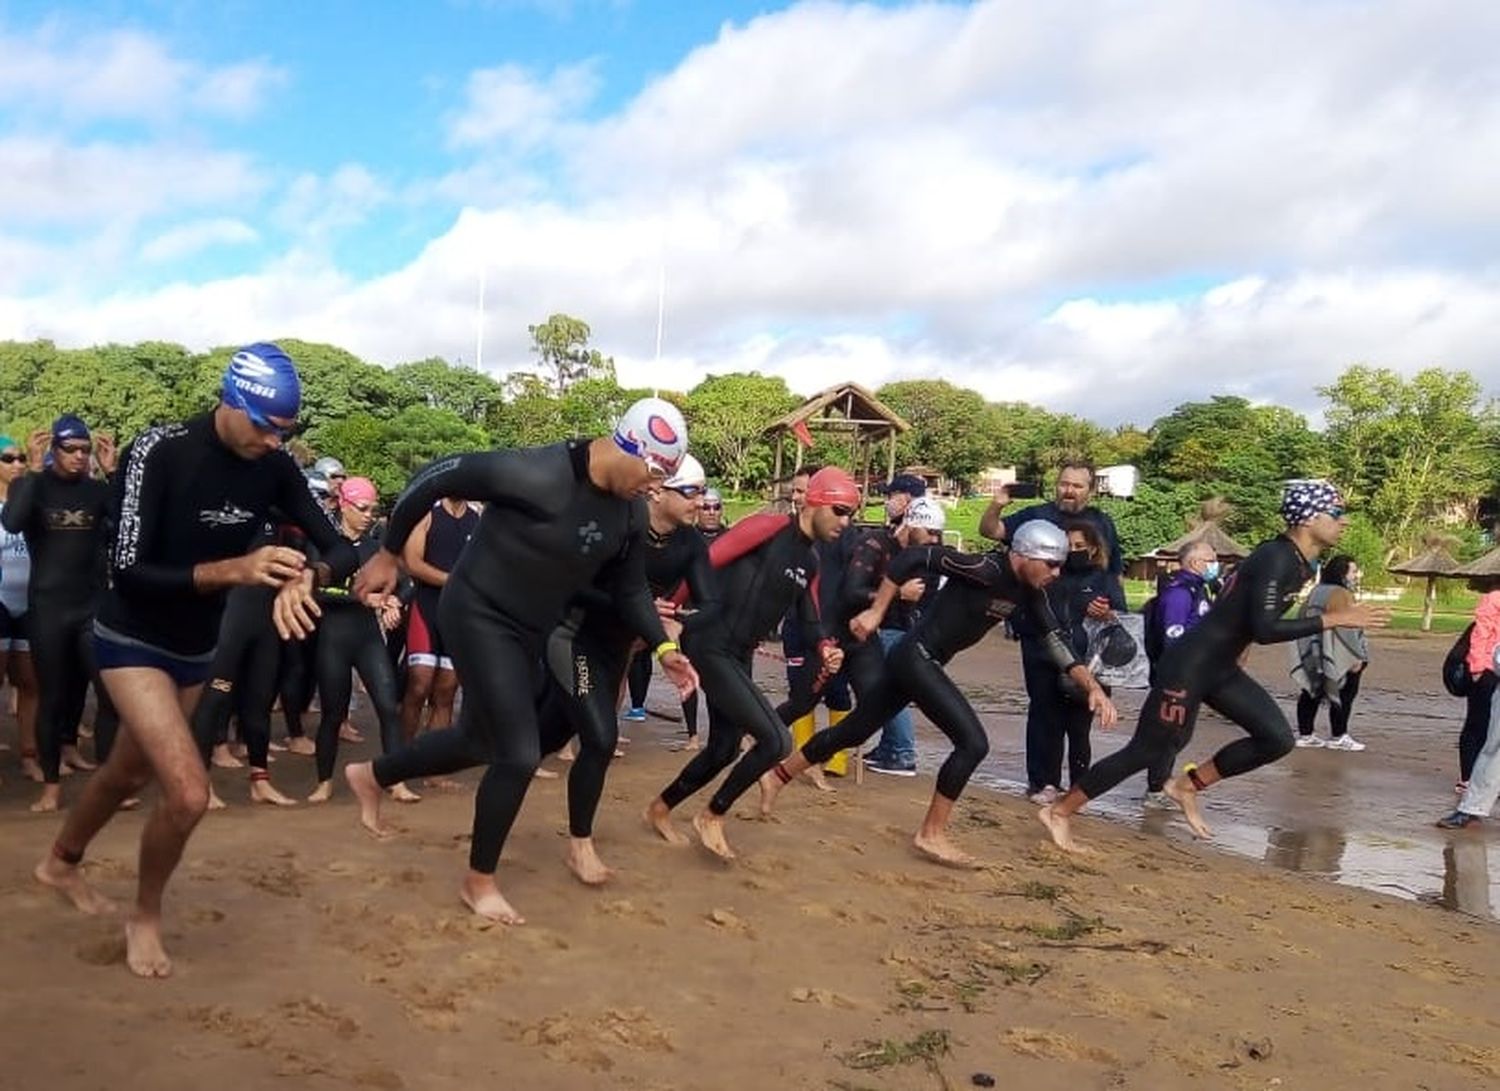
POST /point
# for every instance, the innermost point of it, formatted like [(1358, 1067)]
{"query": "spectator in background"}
[(1329, 665)]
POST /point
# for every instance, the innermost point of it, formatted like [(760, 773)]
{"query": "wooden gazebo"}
[(847, 410), (1433, 563), (1208, 529)]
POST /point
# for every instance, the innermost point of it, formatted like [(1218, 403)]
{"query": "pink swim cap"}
[(358, 490)]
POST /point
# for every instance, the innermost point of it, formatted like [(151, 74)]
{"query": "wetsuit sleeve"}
[(979, 569), (296, 500), (1266, 595), (861, 577), (746, 536), (700, 579), (525, 478), (139, 496), (632, 594), (19, 502)]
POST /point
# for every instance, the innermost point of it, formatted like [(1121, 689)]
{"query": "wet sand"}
[(828, 957)]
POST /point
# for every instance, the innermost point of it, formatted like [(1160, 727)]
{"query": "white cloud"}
[(1105, 209), (190, 238), (510, 104), (61, 71)]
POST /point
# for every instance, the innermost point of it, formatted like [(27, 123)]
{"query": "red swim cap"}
[(830, 486), (358, 490)]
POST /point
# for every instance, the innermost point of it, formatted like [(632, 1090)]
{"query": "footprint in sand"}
[(206, 915), (103, 951), (728, 920), (1050, 1045), (625, 909), (310, 1011), (826, 998)]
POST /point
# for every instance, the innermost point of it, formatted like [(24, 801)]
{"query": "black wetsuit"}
[(546, 534), (183, 499), (981, 591), (588, 655), (764, 565), (350, 640), (864, 660), (246, 665), (1203, 667), (806, 686), (65, 523)]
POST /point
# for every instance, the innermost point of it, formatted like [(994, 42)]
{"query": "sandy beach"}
[(829, 956)]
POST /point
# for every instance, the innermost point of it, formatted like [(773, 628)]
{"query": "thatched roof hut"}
[(1434, 563)]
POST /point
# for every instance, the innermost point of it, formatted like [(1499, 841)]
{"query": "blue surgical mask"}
[(1211, 570)]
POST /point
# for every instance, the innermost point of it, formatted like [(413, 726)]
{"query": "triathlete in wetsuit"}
[(243, 677), (555, 517), (189, 499), (63, 513), (430, 554), (1204, 667), (588, 654), (764, 565), (981, 591), (350, 639)]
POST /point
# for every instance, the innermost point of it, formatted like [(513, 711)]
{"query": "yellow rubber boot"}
[(803, 728), (838, 765)]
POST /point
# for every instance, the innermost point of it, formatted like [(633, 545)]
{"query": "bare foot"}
[(72, 759), (814, 776), (584, 862), (770, 787), (214, 802), (276, 747), (144, 953), (544, 774), (31, 769), (710, 829), (1059, 826), (1182, 792), (349, 733), (566, 753), (360, 777), (937, 847), (49, 801), (223, 758), (68, 880), (322, 793), (262, 791), (692, 744), (659, 817), (402, 794), (480, 894), (301, 744)]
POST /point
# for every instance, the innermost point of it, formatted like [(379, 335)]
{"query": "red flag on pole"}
[(804, 436)]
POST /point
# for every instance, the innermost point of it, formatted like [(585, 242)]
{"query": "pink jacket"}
[(1486, 636)]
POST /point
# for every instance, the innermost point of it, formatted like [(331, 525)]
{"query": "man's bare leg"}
[(1183, 790), (932, 839), (479, 892), (125, 773), (360, 776), (155, 712), (402, 794), (419, 685), (659, 817), (778, 777), (710, 829), (583, 861), (49, 801)]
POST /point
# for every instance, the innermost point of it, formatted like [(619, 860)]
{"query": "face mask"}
[(1078, 561), (1211, 570)]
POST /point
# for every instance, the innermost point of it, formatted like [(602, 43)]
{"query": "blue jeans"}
[(898, 742)]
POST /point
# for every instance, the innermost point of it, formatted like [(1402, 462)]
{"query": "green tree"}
[(471, 395), (561, 345), (727, 415), (948, 426)]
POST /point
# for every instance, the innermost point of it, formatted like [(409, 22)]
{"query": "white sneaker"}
[(1312, 742), (1345, 742)]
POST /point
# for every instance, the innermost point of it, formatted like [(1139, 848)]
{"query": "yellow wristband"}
[(664, 647)]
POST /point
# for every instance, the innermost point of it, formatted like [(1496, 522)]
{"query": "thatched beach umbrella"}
[(1434, 563)]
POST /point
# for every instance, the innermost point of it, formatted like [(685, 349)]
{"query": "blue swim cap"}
[(262, 380), (68, 427)]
